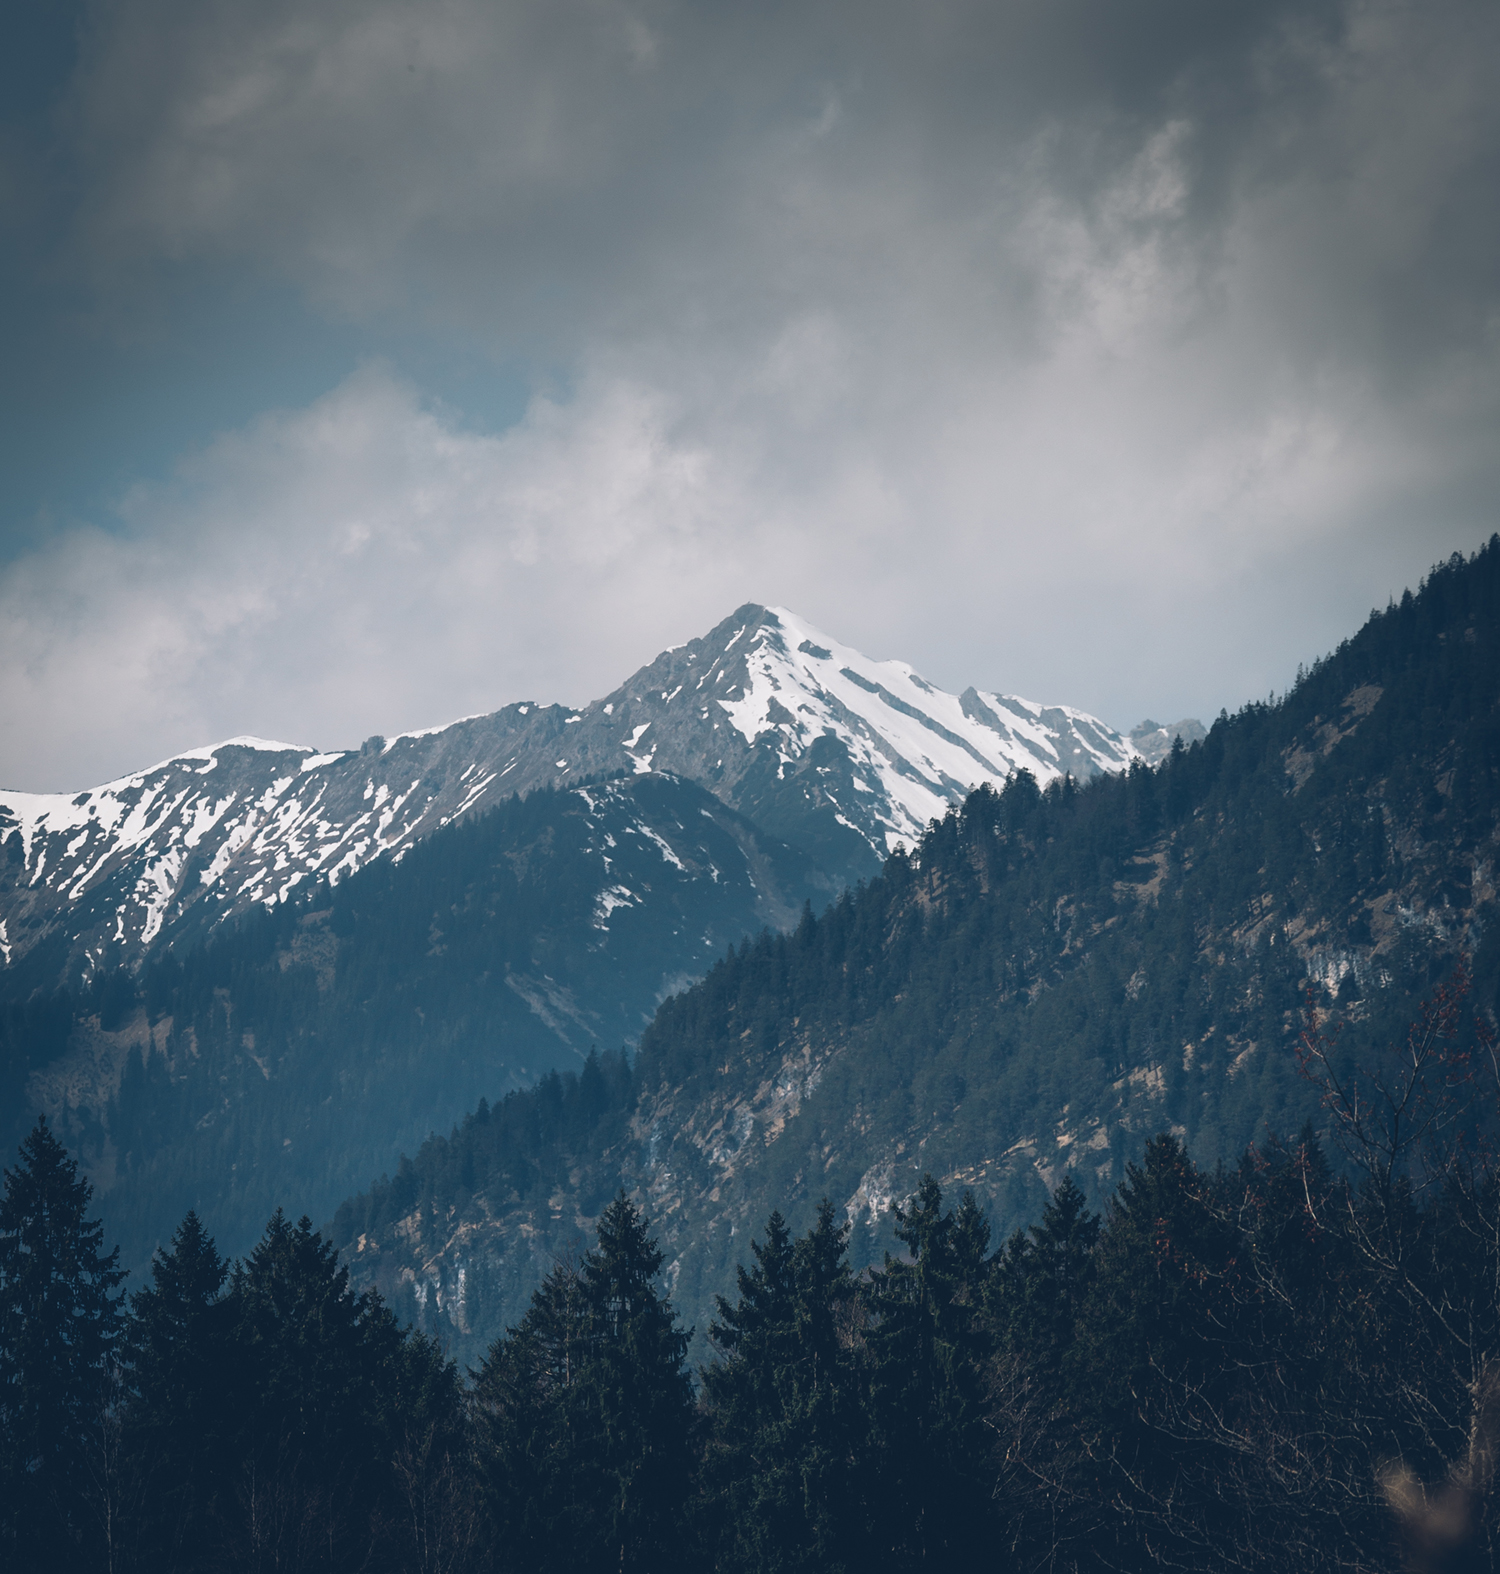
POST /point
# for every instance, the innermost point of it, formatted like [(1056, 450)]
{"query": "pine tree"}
[(521, 1399), (1049, 1489), (1159, 1336), (632, 1409), (757, 1332), (1160, 1305), (585, 1410), (929, 1345), (311, 1389), (179, 1352), (787, 1421), (435, 1522), (1045, 1277), (60, 1319)]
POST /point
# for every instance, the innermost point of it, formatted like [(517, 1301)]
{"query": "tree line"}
[(1286, 1363)]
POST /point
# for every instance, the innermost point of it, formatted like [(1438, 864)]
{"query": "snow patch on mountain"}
[(912, 743)]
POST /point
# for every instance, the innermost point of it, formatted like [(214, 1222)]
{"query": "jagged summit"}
[(1154, 739), (834, 753), (827, 747)]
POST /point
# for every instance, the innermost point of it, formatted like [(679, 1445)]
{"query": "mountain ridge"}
[(296, 1049), (829, 751), (1049, 977)]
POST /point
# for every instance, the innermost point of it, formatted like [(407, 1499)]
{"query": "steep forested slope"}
[(302, 1050), (1049, 977)]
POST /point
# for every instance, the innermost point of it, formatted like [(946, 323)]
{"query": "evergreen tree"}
[(787, 1423), (1040, 1297), (633, 1406), (930, 1344), (1161, 1307), (1160, 1342), (180, 1355), (434, 1523), (586, 1410), (1044, 1280), (522, 1397), (60, 1319), (310, 1391)]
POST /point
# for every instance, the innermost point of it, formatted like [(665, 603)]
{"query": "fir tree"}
[(435, 1522), (1159, 1336), (632, 1408), (1046, 1274), (929, 1345), (60, 1318), (586, 1408), (787, 1422), (521, 1397), (180, 1355), (311, 1387)]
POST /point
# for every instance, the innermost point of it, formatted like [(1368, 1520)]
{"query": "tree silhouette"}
[(179, 1352), (60, 1320)]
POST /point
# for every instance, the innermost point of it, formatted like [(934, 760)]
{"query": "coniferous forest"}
[(293, 1053), (1287, 1362), (749, 787)]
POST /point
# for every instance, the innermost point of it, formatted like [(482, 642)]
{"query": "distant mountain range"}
[(839, 756), (254, 974), (1049, 978), (304, 1047), (257, 976)]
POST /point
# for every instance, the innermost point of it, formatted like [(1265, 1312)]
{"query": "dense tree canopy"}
[(1187, 1350), (1249, 1368)]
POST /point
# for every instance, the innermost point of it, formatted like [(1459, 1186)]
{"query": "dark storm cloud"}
[(500, 161), (1120, 355)]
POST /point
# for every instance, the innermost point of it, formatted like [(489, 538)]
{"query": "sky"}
[(370, 363)]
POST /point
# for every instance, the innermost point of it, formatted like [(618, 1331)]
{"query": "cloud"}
[(368, 564), (356, 566), (624, 169), (1122, 356)]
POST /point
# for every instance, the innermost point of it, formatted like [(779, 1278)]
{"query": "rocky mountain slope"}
[(1050, 977), (840, 756), (311, 1043), (1153, 740)]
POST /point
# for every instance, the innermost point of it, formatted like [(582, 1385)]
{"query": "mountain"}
[(1153, 740), (830, 751), (837, 755), (1048, 977), (305, 1046), (253, 974)]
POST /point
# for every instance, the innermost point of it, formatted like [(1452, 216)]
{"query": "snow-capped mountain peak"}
[(832, 752), (916, 743)]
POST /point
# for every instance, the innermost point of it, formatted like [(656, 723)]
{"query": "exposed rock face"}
[(837, 755), (1154, 739)]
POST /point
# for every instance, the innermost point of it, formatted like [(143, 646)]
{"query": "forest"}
[(1285, 1362)]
